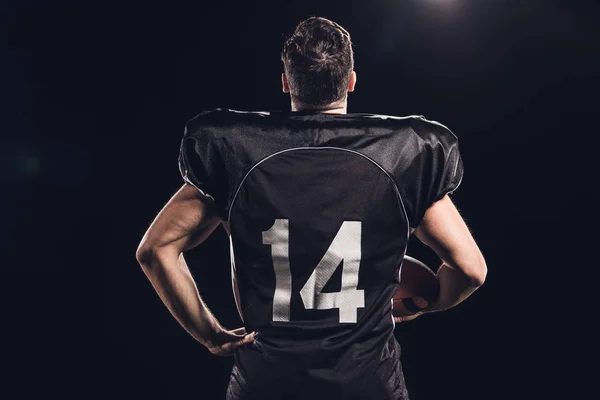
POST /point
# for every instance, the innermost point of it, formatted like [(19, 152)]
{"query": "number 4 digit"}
[(345, 247)]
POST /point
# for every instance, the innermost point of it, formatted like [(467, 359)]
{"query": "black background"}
[(94, 99)]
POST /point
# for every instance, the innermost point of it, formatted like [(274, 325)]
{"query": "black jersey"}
[(320, 208)]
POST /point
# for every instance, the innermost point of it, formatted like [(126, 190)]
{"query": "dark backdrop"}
[(95, 98)]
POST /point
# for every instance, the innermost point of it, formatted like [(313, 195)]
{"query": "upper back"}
[(320, 208), (229, 143)]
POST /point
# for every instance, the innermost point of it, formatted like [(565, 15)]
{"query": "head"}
[(318, 65)]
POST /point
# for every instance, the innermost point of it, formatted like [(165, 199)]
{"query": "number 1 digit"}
[(278, 238)]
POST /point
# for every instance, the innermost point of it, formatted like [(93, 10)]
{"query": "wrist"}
[(207, 332)]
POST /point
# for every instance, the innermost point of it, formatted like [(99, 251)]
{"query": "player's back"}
[(319, 208)]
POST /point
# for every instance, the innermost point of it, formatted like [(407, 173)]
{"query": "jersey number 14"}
[(346, 247)]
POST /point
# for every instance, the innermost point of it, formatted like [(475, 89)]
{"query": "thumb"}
[(239, 331)]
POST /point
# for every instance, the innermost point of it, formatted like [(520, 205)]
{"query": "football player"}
[(319, 205)]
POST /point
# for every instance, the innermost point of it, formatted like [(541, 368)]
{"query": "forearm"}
[(172, 280), (455, 286)]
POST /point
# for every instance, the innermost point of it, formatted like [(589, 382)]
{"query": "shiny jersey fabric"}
[(320, 208)]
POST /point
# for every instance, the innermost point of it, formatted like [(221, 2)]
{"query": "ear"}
[(352, 82), (284, 84)]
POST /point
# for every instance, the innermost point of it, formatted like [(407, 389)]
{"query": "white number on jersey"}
[(345, 247)]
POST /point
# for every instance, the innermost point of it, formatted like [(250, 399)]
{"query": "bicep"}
[(185, 221), (444, 230)]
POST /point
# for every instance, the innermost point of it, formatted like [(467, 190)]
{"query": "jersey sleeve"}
[(437, 171), (201, 164)]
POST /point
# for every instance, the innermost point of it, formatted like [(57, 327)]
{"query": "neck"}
[(334, 108)]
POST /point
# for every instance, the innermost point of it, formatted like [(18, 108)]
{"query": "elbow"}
[(478, 279), (473, 268), (152, 257), (478, 273), (146, 255)]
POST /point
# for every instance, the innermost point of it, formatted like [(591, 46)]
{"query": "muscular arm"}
[(185, 221), (464, 268)]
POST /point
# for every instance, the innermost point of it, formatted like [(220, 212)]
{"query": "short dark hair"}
[(318, 61)]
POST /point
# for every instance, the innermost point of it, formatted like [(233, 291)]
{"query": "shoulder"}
[(222, 117), (421, 125), (433, 132), (423, 130)]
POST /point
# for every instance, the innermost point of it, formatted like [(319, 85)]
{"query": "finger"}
[(239, 331), (400, 309), (410, 303), (420, 302), (406, 318), (249, 338), (229, 348)]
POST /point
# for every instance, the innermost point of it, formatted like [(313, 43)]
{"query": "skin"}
[(339, 107), (189, 218), (463, 269), (184, 222)]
